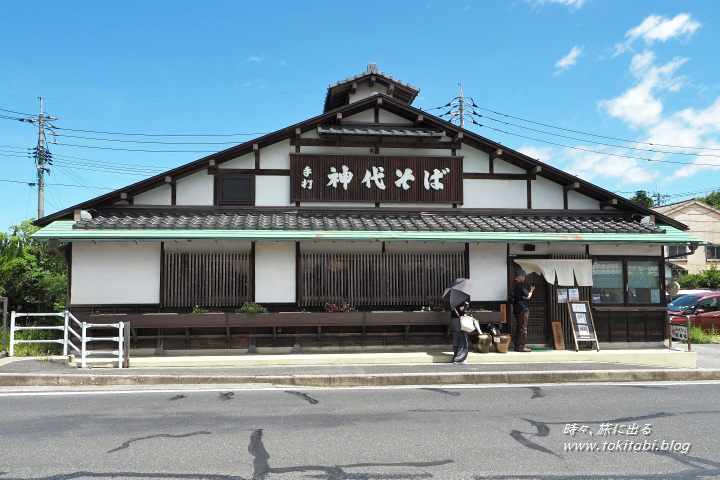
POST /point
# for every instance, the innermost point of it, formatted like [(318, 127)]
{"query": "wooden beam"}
[(496, 154), (298, 132), (572, 186), (535, 170), (256, 151), (419, 120), (212, 166), (171, 180), (372, 80), (77, 215), (338, 117), (353, 88), (609, 203), (497, 176), (458, 137), (391, 90), (126, 196)]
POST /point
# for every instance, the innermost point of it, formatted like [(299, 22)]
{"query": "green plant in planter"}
[(343, 307), (198, 309), (251, 308), (433, 307)]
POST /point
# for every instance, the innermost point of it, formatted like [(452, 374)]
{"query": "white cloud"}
[(282, 63), (601, 165), (544, 154), (656, 28), (575, 4), (568, 60), (638, 106), (254, 59)]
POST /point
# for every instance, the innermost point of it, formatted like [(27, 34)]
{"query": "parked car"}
[(686, 298), (701, 308)]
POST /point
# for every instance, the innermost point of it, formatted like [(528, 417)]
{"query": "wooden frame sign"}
[(375, 178), (583, 325)]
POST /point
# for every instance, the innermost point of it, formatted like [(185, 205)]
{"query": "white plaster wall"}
[(107, 273), (276, 155), (577, 201), (483, 193), (424, 247), (415, 206), (366, 116), (500, 166), (364, 90), (157, 196), (488, 270), (387, 117), (245, 161), (340, 247), (339, 204), (207, 246), (195, 189), (275, 275), (640, 250), (475, 161), (271, 191), (552, 249), (546, 194)]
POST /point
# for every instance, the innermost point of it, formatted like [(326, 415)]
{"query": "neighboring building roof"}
[(676, 207), (300, 224)]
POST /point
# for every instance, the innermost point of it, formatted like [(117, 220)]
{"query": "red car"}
[(703, 312)]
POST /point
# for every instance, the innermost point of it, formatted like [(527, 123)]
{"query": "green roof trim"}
[(63, 230)]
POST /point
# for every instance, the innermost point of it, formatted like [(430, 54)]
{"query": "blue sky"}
[(629, 73)]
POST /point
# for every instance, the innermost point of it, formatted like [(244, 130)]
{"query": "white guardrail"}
[(75, 330)]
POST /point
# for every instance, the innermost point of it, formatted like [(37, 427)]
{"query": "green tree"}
[(709, 278), (641, 198), (713, 199), (32, 277)]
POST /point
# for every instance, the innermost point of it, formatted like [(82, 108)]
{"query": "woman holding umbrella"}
[(460, 337), (457, 296)]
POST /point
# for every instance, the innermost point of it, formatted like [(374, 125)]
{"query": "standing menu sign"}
[(582, 323)]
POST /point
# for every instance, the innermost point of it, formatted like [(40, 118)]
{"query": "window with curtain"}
[(608, 281), (643, 282), (712, 252)]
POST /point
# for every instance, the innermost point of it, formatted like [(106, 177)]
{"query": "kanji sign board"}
[(375, 178)]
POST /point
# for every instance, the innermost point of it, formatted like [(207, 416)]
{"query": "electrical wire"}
[(143, 142), (593, 134), (160, 135)]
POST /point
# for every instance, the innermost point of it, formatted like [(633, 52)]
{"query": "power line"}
[(33, 184), (143, 142), (593, 134), (161, 135)]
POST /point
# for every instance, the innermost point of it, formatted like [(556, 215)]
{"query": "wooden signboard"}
[(558, 336), (582, 323)]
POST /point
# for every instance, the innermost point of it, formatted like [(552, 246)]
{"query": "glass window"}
[(643, 281), (712, 252), (608, 281), (674, 250)]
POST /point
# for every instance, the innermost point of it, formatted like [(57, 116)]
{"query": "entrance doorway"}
[(538, 324)]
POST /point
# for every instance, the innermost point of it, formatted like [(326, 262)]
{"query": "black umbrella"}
[(458, 292)]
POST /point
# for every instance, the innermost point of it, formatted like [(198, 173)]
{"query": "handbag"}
[(467, 323)]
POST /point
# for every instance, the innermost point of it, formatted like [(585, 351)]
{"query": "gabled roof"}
[(676, 207), (338, 92), (396, 107)]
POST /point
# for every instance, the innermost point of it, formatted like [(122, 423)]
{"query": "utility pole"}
[(42, 157)]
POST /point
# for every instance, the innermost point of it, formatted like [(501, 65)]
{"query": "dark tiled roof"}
[(359, 221), (374, 71), (380, 131)]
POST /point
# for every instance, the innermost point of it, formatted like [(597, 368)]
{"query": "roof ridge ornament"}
[(372, 68)]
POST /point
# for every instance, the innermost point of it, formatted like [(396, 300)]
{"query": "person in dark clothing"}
[(521, 308), (460, 338)]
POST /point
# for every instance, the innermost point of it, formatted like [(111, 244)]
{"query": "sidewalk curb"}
[(361, 380)]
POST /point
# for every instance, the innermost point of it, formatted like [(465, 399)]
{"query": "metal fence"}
[(72, 327)]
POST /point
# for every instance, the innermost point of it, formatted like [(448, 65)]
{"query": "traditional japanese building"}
[(375, 203)]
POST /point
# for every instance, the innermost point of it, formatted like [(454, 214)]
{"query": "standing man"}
[(521, 308)]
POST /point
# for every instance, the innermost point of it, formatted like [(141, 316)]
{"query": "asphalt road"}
[(477, 433)]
